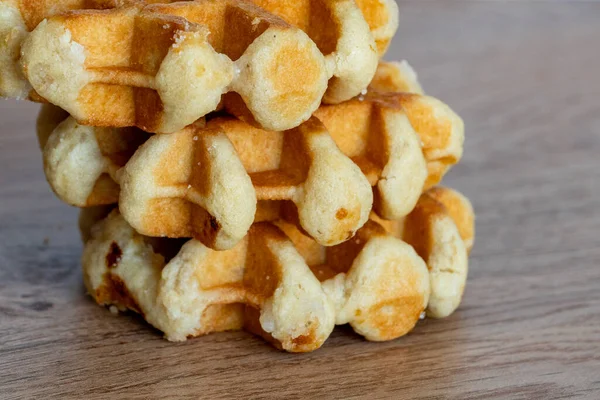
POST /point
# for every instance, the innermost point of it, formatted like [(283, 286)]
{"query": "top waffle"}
[(162, 66)]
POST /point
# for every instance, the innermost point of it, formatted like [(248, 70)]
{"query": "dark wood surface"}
[(525, 76)]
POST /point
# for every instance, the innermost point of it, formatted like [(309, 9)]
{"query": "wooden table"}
[(525, 77)]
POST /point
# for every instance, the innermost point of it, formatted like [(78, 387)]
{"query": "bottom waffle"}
[(280, 284)]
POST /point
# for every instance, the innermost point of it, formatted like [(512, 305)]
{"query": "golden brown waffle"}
[(375, 132), (170, 191), (441, 229), (139, 65), (18, 17), (375, 282)]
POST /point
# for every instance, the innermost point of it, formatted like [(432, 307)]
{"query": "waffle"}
[(19, 18), (215, 204), (262, 284), (441, 230), (375, 282), (375, 132), (137, 64)]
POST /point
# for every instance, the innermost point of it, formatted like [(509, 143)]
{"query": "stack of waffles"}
[(245, 164)]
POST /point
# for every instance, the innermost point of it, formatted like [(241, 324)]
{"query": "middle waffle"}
[(205, 181)]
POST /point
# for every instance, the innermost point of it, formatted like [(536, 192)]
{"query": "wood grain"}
[(524, 75)]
